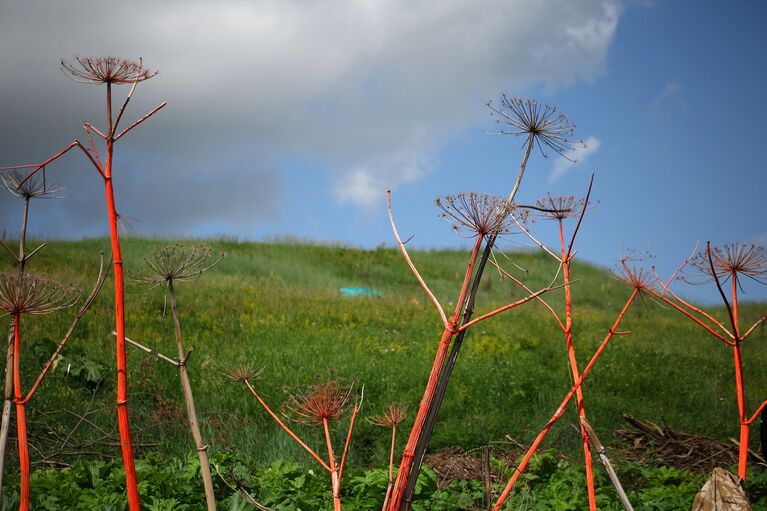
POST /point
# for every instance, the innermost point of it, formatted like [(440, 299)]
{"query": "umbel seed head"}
[(32, 187), (111, 70), (29, 294), (561, 207), (244, 373), (319, 403), (175, 263), (481, 214), (732, 259), (544, 123), (391, 417)]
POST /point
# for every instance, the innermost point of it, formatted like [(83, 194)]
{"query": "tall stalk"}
[(109, 71), (719, 264), (540, 125), (202, 447), (26, 190), (21, 416), (164, 267)]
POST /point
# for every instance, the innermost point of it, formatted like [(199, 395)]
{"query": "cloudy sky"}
[(293, 117)]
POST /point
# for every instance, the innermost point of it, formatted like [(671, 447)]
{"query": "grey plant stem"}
[(8, 393), (447, 371), (202, 448)]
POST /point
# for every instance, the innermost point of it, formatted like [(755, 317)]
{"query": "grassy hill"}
[(278, 306)]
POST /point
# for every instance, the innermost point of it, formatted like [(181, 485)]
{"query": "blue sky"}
[(292, 119)]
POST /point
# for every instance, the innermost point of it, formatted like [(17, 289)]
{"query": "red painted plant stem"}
[(335, 482), (21, 416), (406, 464), (561, 410), (574, 369), (739, 387), (131, 486)]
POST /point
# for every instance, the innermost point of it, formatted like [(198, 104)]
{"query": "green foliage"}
[(550, 483)]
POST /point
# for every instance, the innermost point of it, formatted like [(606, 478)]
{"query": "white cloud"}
[(575, 157), (671, 88), (354, 83)]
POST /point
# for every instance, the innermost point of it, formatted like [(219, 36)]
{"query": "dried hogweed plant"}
[(730, 263), (483, 218), (560, 209), (319, 405), (31, 295), (642, 284), (110, 72), (390, 418), (37, 187), (164, 268)]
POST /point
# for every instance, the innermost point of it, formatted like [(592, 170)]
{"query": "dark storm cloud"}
[(371, 88)]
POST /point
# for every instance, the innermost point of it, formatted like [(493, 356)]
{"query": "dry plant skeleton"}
[(318, 406), (164, 267), (560, 209), (109, 71), (30, 295), (731, 262), (641, 283), (484, 218), (390, 419), (35, 188)]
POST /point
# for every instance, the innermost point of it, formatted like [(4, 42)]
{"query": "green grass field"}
[(277, 306)]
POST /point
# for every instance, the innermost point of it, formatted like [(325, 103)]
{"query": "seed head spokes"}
[(477, 214), (743, 259), (326, 401), (34, 187), (176, 263), (561, 207), (30, 294), (244, 373), (640, 278), (98, 70), (391, 417), (549, 127)]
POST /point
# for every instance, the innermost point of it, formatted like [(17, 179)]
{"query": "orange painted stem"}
[(286, 428), (406, 464), (21, 416), (575, 372), (739, 387), (563, 406), (131, 486), (334, 479), (391, 468)]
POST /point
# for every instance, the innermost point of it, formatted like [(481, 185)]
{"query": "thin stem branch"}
[(412, 266), (521, 284), (144, 118), (506, 307), (83, 309), (580, 219), (563, 405), (757, 412), (150, 351), (286, 428)]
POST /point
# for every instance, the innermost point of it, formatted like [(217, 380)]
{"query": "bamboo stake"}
[(607, 464)]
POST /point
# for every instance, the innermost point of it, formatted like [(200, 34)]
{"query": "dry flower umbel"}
[(544, 123), (480, 214), (35, 187), (318, 404), (29, 294), (98, 70), (749, 260), (175, 263)]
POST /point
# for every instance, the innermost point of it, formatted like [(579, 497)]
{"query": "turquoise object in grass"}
[(360, 291)]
